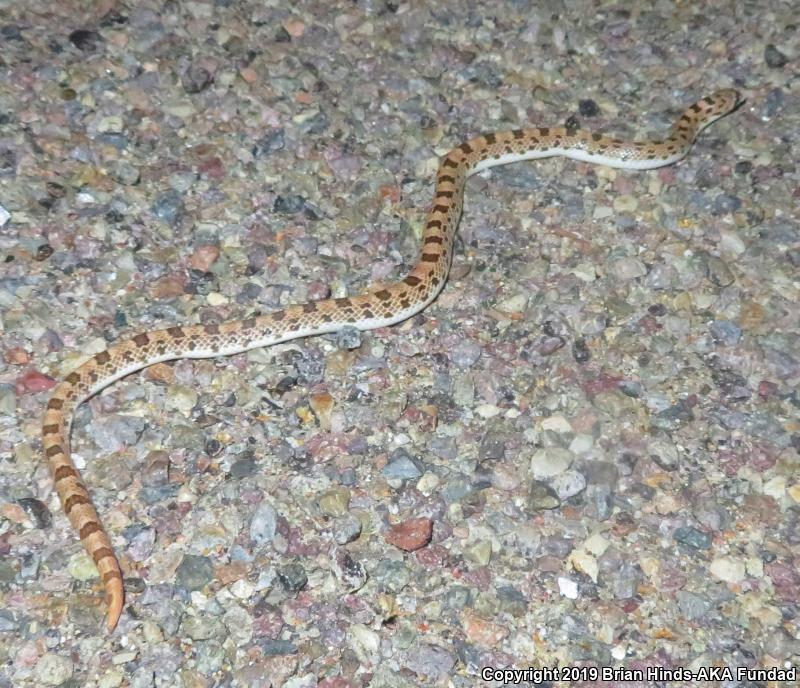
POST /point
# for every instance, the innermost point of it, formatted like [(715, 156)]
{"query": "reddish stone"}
[(410, 535), (32, 381)]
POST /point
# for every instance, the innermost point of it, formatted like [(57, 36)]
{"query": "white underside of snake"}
[(377, 307)]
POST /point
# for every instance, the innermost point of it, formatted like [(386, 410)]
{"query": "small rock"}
[(124, 173), (5, 216), (350, 572), (37, 511), (478, 553), (410, 535), (169, 207), (402, 466), (692, 606), (568, 588), (725, 332), (346, 529), (289, 205), (550, 461), (293, 577), (725, 204), (690, 536), (335, 501), (264, 524), (53, 669), (86, 40), (718, 272), (568, 484), (271, 142), (541, 496), (728, 569), (774, 57), (465, 354), (194, 572), (196, 79), (483, 633), (432, 662), (588, 108)]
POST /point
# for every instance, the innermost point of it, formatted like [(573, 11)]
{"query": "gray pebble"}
[(348, 338), (692, 606), (465, 354), (725, 203), (725, 332), (201, 627), (599, 502), (511, 601), (196, 79), (209, 656), (194, 572), (673, 417), (430, 661), (264, 524), (568, 484), (541, 496), (169, 207), (125, 173), (346, 529), (271, 142), (289, 205), (690, 536), (623, 580), (244, 466), (9, 621), (53, 669), (140, 542), (458, 487), (719, 272), (293, 577), (275, 648), (774, 57), (402, 466), (8, 399), (391, 575), (773, 103)]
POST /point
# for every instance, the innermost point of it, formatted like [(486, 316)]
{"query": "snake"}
[(378, 306)]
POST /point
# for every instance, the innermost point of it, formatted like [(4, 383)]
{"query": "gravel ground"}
[(584, 454)]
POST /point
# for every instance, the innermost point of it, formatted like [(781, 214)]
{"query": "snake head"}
[(727, 100)]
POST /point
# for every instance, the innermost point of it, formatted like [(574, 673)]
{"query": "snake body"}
[(376, 307)]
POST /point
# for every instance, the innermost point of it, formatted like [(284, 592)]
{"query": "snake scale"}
[(376, 307)]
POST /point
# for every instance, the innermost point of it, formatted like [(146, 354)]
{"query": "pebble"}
[(728, 569), (692, 537), (334, 502), (410, 535), (5, 216), (346, 529), (568, 484), (53, 669), (402, 466), (774, 57), (263, 524), (169, 208), (465, 354), (293, 577), (550, 461), (194, 572), (541, 496)]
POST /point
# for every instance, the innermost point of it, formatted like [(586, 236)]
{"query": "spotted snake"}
[(376, 307)]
